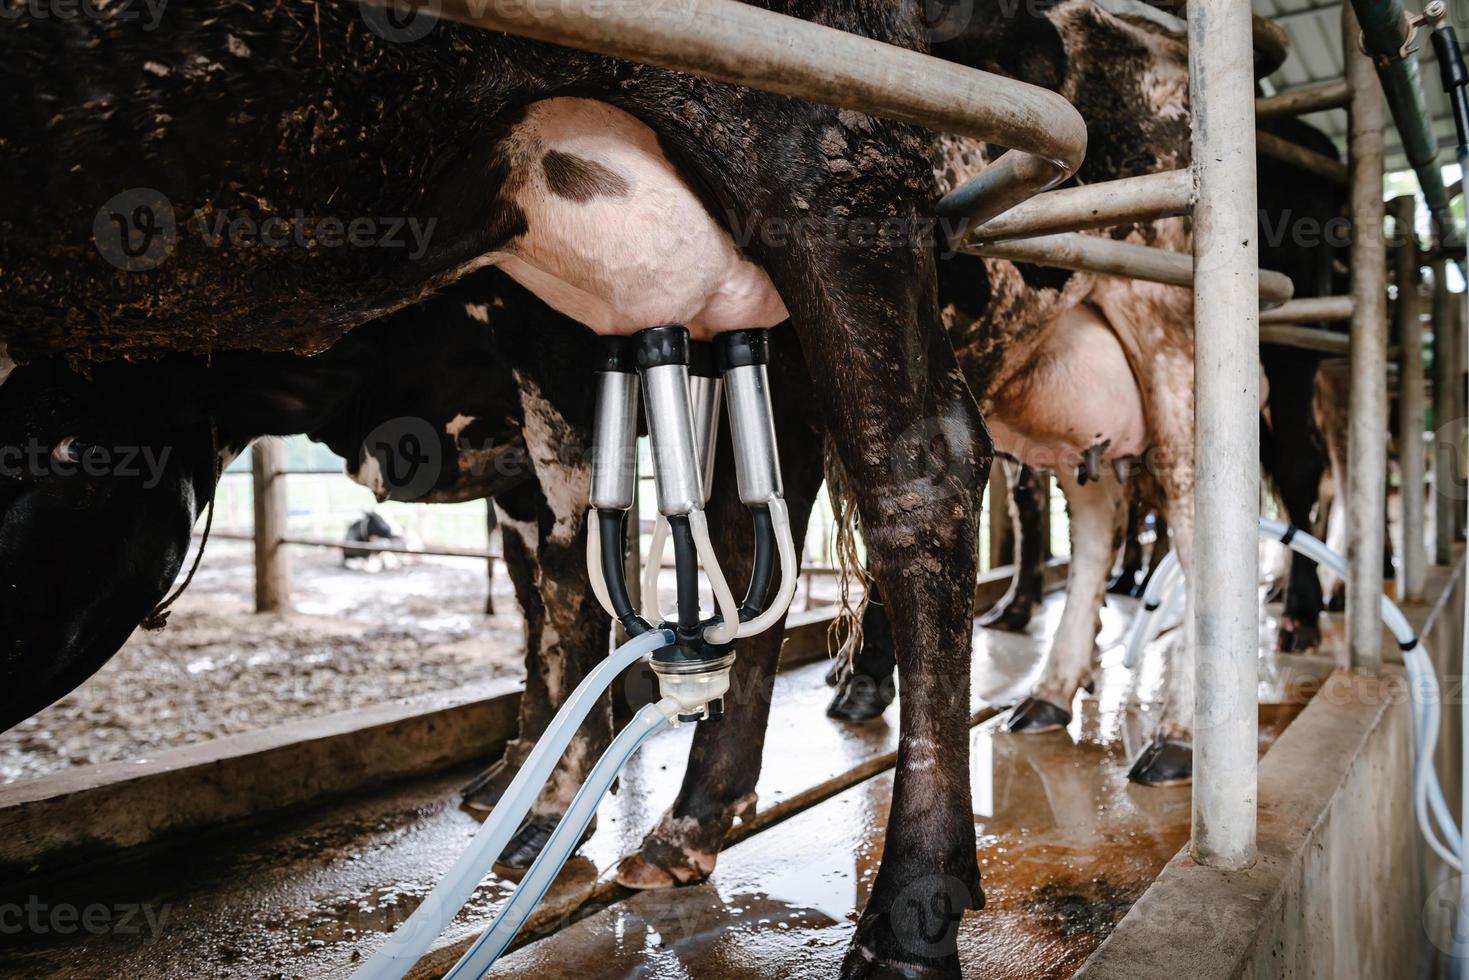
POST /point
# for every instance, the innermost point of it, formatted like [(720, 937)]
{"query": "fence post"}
[(1367, 428), (1225, 628), (1413, 395), (272, 569)]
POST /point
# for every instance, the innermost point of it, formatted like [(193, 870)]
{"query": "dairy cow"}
[(271, 176)]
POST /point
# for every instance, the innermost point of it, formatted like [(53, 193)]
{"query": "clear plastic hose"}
[(1435, 820), (478, 959), (410, 940), (1158, 596)]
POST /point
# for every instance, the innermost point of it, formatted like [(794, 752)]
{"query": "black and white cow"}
[(271, 176), (1032, 339)]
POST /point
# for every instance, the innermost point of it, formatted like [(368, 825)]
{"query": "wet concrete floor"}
[(1065, 844)]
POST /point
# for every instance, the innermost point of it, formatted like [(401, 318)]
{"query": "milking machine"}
[(1434, 817), (680, 384)]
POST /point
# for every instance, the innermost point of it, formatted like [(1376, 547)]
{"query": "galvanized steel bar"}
[(1092, 253), (1446, 332), (1300, 101), (746, 45), (1298, 156), (1306, 338), (1366, 446), (1114, 202), (1311, 309), (1227, 441), (1412, 399)]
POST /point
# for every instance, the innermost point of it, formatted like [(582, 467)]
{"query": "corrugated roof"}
[(1316, 56)]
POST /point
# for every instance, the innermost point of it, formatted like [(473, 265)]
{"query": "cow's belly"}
[(614, 236), (1078, 393)]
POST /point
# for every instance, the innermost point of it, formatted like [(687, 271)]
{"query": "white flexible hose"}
[(410, 940), (652, 566), (1435, 821), (478, 959), (780, 520), (1162, 583)]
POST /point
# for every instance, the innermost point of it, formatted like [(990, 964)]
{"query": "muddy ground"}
[(355, 638)]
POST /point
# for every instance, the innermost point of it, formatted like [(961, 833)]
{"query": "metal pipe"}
[(1446, 420), (1366, 446), (1091, 253), (1103, 205), (1386, 32), (745, 45), (1306, 338), (1279, 148), (1311, 309), (1307, 98), (1412, 401), (1227, 439)]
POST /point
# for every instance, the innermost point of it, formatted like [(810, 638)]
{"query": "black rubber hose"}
[(764, 567), (1453, 76), (686, 569), (614, 572)]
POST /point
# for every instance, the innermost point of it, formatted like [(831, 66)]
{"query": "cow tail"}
[(844, 635)]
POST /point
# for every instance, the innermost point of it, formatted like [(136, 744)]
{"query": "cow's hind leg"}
[(724, 761), (1027, 503), (866, 687), (1295, 460), (1096, 509)]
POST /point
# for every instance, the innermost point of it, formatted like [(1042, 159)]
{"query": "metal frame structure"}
[(739, 44)]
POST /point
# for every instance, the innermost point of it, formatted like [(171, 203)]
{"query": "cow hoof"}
[(876, 954), (527, 844), (1125, 584), (485, 790), (1034, 717), (860, 698), (1012, 618), (1165, 762), (674, 867), (1337, 601), (1296, 637), (1276, 592)]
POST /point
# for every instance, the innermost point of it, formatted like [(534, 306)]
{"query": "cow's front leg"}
[(1097, 509), (518, 515), (1027, 502), (571, 628), (724, 761)]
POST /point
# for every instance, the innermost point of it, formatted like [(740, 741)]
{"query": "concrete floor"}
[(1066, 845)]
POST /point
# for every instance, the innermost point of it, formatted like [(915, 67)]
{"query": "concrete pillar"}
[(1227, 446)]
